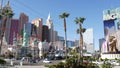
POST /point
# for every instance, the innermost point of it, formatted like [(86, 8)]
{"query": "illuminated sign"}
[(111, 14)]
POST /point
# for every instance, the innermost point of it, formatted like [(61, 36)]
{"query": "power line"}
[(31, 9), (18, 9), (27, 7), (35, 12)]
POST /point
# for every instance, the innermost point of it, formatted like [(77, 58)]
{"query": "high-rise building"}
[(55, 36), (70, 43), (23, 19), (50, 27), (5, 23), (13, 31), (89, 40), (77, 43), (100, 43), (45, 33), (37, 26), (60, 38), (7, 30), (26, 34)]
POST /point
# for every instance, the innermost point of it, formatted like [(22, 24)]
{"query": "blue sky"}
[(90, 9)]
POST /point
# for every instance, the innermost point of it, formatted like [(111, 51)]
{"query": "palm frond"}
[(78, 31), (7, 12), (83, 30), (76, 20), (64, 15), (79, 20)]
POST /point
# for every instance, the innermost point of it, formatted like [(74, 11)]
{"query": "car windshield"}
[(57, 52)]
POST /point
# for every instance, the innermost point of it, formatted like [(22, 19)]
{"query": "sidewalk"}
[(30, 67)]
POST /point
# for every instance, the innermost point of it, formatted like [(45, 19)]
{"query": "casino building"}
[(111, 46)]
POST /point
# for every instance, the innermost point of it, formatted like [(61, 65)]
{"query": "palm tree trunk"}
[(1, 44), (66, 45), (81, 42), (65, 38)]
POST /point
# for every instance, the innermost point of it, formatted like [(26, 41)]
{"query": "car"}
[(63, 61), (51, 56), (8, 60), (114, 62), (23, 59), (60, 54), (46, 61), (98, 62)]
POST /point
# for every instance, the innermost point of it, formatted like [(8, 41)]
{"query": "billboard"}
[(109, 27), (111, 14)]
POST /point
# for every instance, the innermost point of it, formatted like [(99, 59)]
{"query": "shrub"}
[(73, 62), (60, 65), (107, 65), (52, 66), (47, 65), (2, 61)]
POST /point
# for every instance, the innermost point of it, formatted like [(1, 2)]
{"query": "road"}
[(116, 66), (30, 66), (113, 67), (41, 64)]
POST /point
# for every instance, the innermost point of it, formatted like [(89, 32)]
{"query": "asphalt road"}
[(40, 64), (17, 63)]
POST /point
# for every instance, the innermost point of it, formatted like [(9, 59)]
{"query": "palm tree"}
[(81, 30), (5, 14), (64, 16)]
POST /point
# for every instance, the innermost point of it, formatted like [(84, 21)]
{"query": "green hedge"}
[(73, 63), (2, 61)]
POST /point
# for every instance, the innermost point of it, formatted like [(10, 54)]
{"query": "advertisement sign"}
[(109, 27), (111, 14)]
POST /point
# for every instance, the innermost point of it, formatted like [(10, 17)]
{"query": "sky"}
[(92, 10)]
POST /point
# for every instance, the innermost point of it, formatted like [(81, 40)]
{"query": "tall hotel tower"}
[(36, 30), (89, 40), (50, 27), (23, 20), (8, 24), (13, 31), (45, 33)]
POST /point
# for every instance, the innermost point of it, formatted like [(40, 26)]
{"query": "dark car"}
[(51, 56)]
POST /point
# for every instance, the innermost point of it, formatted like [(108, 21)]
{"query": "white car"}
[(46, 61), (7, 60), (63, 61), (97, 62), (115, 63)]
